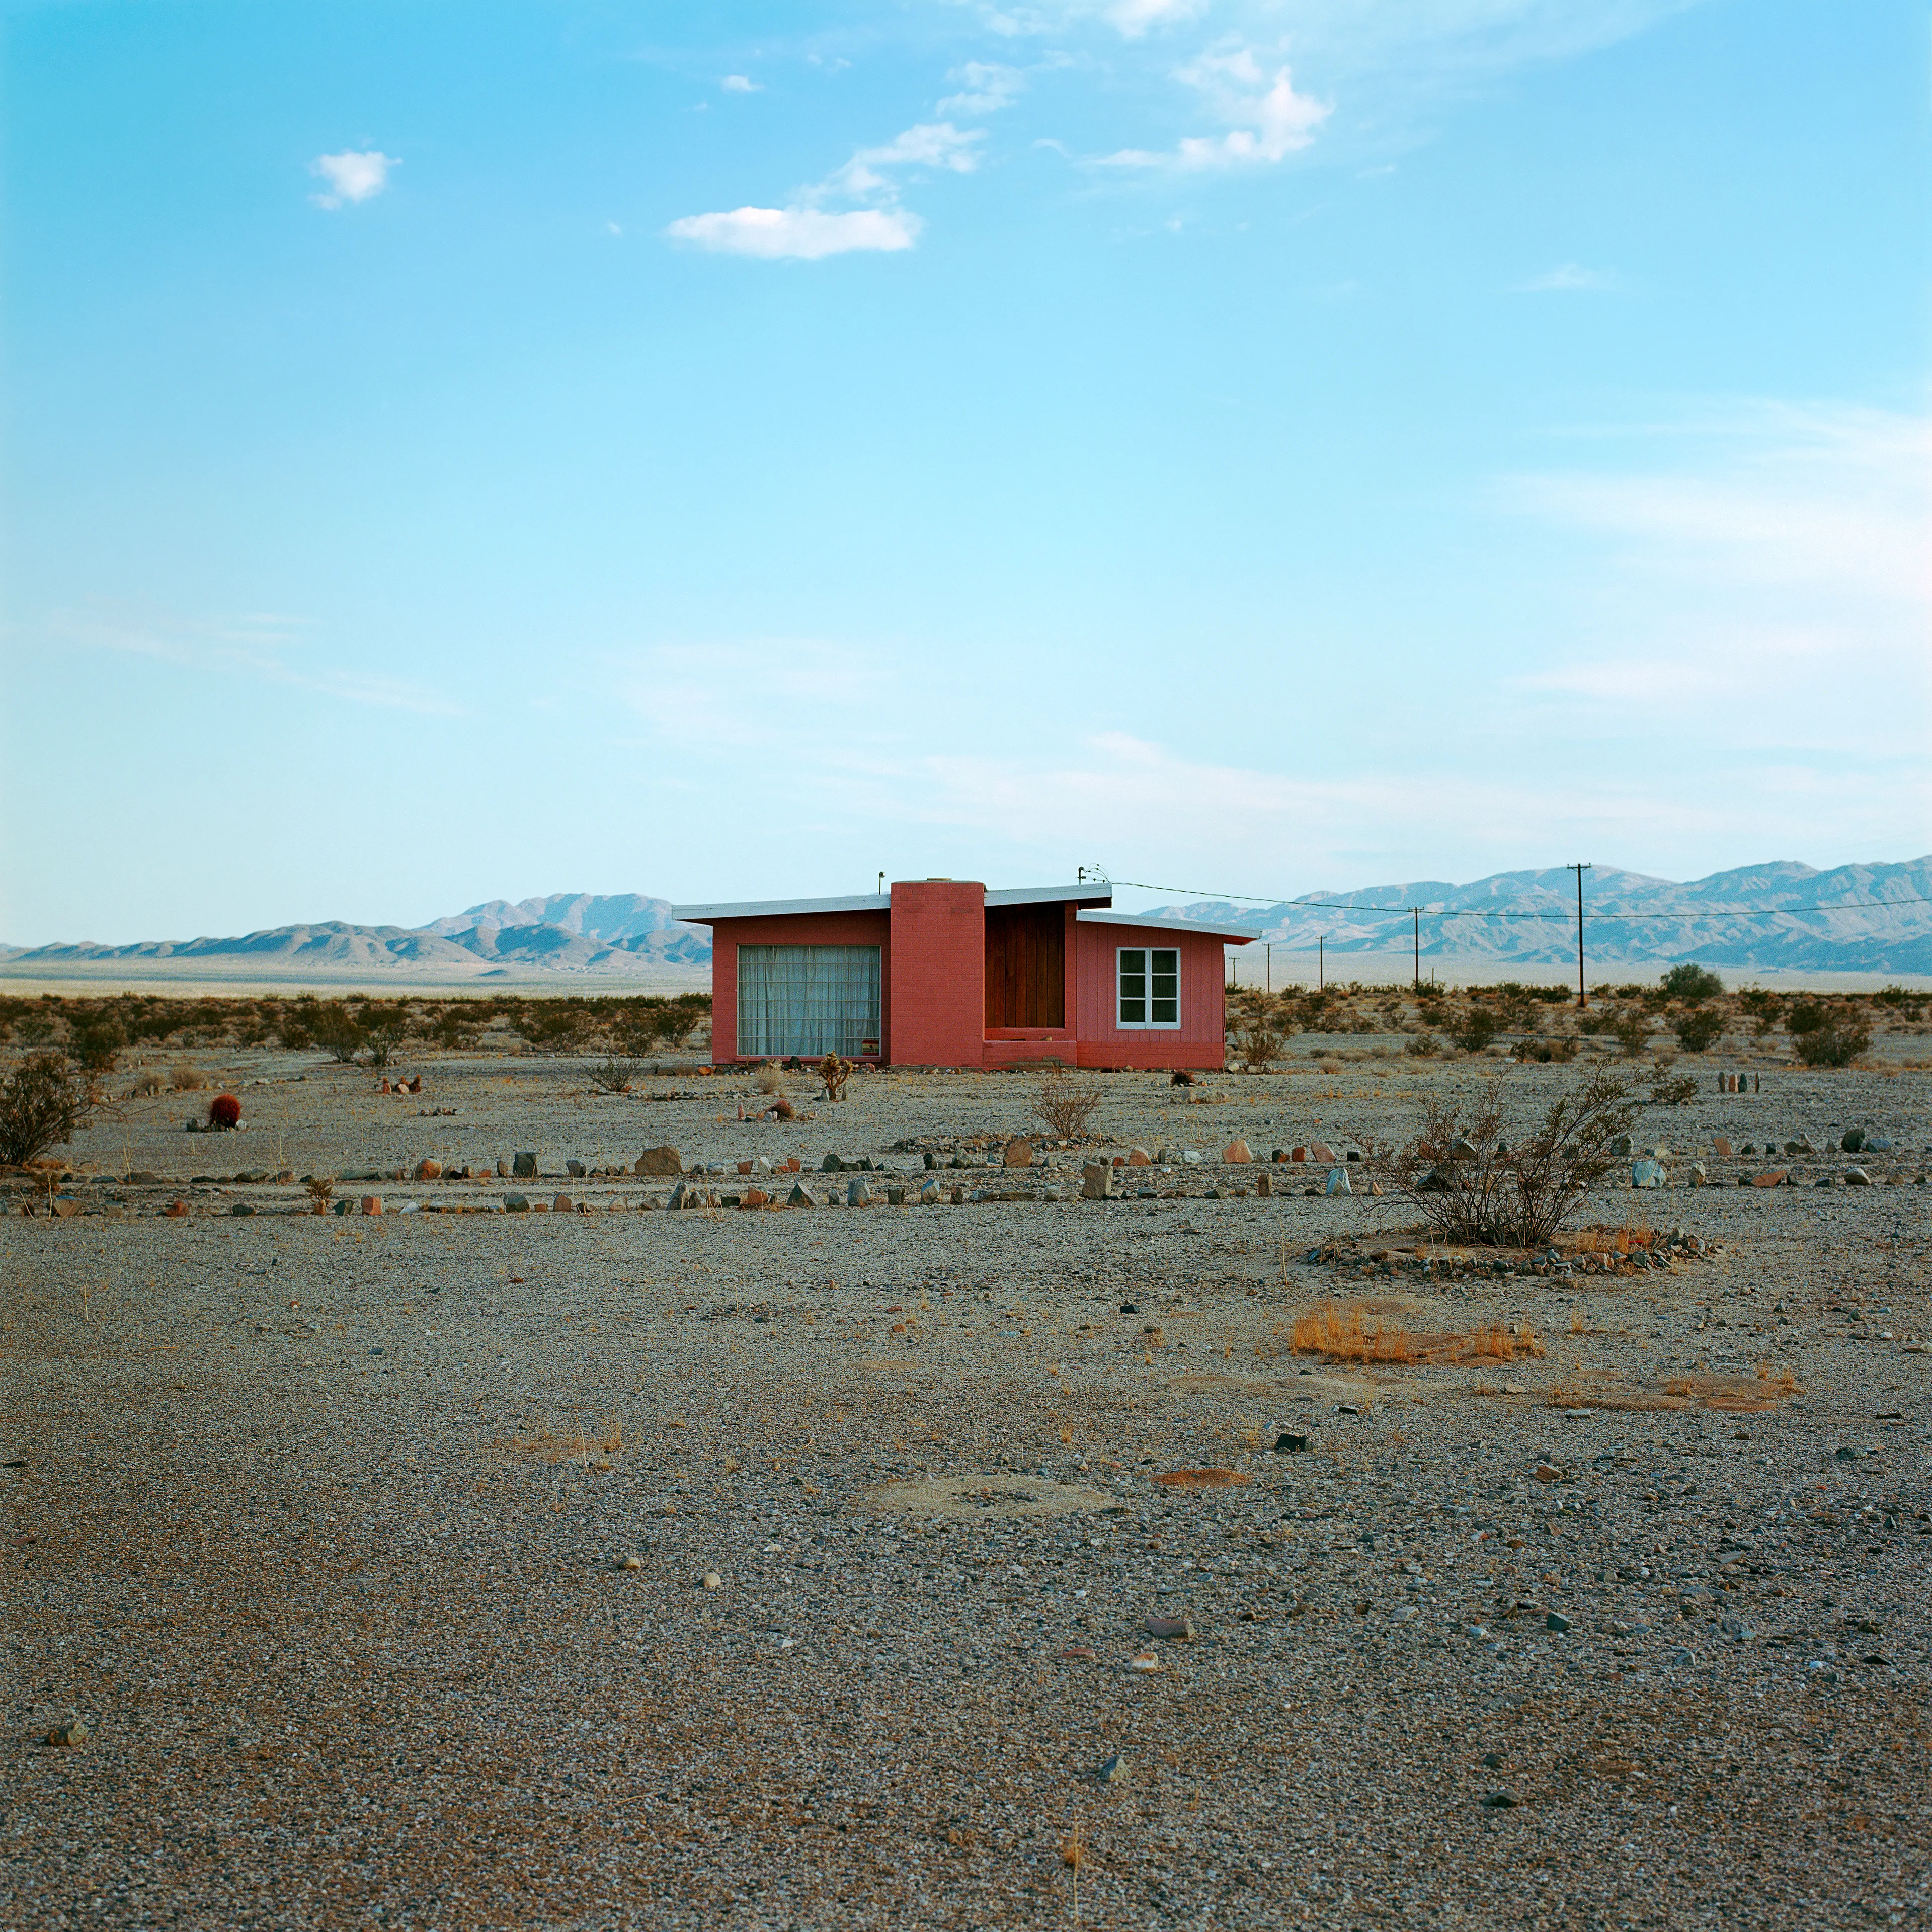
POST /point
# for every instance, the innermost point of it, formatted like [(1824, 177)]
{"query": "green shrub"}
[(1478, 1030), (1837, 1040), (98, 1039), (1807, 1016), (1692, 985), (338, 1031), (1699, 1029), (1631, 1031)]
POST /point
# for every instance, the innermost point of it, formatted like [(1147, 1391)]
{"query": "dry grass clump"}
[(1353, 1334), (547, 1446), (1598, 1239), (186, 1079), (768, 1079)]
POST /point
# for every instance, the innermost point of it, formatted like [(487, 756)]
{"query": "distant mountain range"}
[(1778, 916), (1765, 918), (566, 932)]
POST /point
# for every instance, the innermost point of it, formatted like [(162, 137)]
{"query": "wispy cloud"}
[(351, 176), (808, 230), (1571, 277), (986, 88), (259, 645), (740, 83), (1268, 120), (1765, 571), (798, 234)]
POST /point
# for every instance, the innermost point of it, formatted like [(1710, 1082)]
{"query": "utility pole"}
[(1415, 913), (1582, 998), (1271, 969), (1320, 961)]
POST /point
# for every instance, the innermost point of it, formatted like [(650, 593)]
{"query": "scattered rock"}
[(633, 1561), (798, 1198), (1501, 1800), (1139, 1157), (1115, 1771), (1854, 1139), (1548, 1472), (516, 1203), (1181, 1628), (1776, 1178), (1856, 1176), (561, 1204), (1556, 1620), (1236, 1153), (372, 1204), (524, 1167), (574, 1168), (1018, 1154), (713, 1581), (1288, 1444), (1648, 1173), (429, 1170), (70, 1735), (1338, 1181), (858, 1194), (659, 1160)]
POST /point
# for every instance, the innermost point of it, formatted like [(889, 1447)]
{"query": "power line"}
[(1564, 918)]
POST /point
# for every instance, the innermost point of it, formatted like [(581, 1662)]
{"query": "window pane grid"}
[(1149, 988)]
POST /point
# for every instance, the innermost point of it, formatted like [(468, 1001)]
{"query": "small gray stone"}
[(575, 1168), (1856, 1176), (798, 1198), (1854, 1139), (524, 1167), (858, 1194), (1114, 1771), (1500, 1800), (1555, 1620), (517, 1204)]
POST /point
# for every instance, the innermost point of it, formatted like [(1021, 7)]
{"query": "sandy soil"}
[(319, 1525)]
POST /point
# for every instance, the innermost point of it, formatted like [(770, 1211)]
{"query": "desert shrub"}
[(1560, 1050), (146, 1085), (1470, 1188), (1699, 1029), (36, 1028), (456, 1026), (1692, 984), (320, 1187), (768, 1079), (186, 1079), (338, 1031), (562, 1026), (1631, 1031), (98, 1041), (224, 1111), (1840, 1037), (1424, 1045), (1476, 1030), (1677, 1092), (1806, 1016), (615, 1075), (383, 1038), (835, 1071), (1067, 1105), (1261, 1032), (44, 1101)]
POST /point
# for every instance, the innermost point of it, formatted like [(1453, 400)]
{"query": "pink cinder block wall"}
[(1199, 1041), (825, 929), (939, 972)]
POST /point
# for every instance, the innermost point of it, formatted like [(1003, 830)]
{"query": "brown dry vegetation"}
[(1354, 1334)]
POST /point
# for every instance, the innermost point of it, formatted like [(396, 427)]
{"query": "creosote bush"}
[(1067, 1105), (1837, 1039), (615, 1075), (1692, 984), (43, 1103), (1699, 1029), (1471, 1186)]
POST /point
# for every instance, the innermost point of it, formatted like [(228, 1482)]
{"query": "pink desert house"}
[(942, 973)]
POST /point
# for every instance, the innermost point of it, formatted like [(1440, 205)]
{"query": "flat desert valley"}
[(1202, 1556)]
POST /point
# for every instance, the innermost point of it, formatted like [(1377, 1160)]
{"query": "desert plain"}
[(1200, 1556)]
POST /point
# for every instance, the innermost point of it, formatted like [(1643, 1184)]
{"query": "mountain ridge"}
[(1775, 916)]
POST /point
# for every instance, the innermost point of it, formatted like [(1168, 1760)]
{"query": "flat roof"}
[(704, 915), (1238, 935)]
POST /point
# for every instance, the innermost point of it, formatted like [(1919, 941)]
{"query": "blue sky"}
[(728, 451)]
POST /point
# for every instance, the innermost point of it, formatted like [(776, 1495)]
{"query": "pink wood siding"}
[(827, 928), (1199, 1041)]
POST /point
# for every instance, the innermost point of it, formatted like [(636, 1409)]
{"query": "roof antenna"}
[(882, 883), (1093, 875)]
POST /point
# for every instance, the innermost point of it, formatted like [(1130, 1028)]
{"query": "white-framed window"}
[(1149, 984)]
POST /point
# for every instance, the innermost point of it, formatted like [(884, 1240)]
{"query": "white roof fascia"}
[(1235, 934), (703, 915), (1046, 895)]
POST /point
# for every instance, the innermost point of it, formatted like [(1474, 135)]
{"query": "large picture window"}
[(1150, 986), (813, 1000)]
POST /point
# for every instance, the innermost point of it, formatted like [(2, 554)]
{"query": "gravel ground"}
[(320, 1526)]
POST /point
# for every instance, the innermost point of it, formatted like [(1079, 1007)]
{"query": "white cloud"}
[(1268, 120), (986, 88), (739, 83), (799, 234), (1569, 277), (352, 177), (934, 144), (806, 231)]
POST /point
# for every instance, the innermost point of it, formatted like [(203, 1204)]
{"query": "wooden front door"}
[(1026, 966)]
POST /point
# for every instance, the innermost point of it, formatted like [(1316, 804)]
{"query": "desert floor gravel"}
[(320, 1524)]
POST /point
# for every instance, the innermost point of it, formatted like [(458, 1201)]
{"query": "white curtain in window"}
[(812, 1000)]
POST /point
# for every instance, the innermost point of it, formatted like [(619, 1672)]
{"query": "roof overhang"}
[(1235, 935), (1085, 895), (706, 915)]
